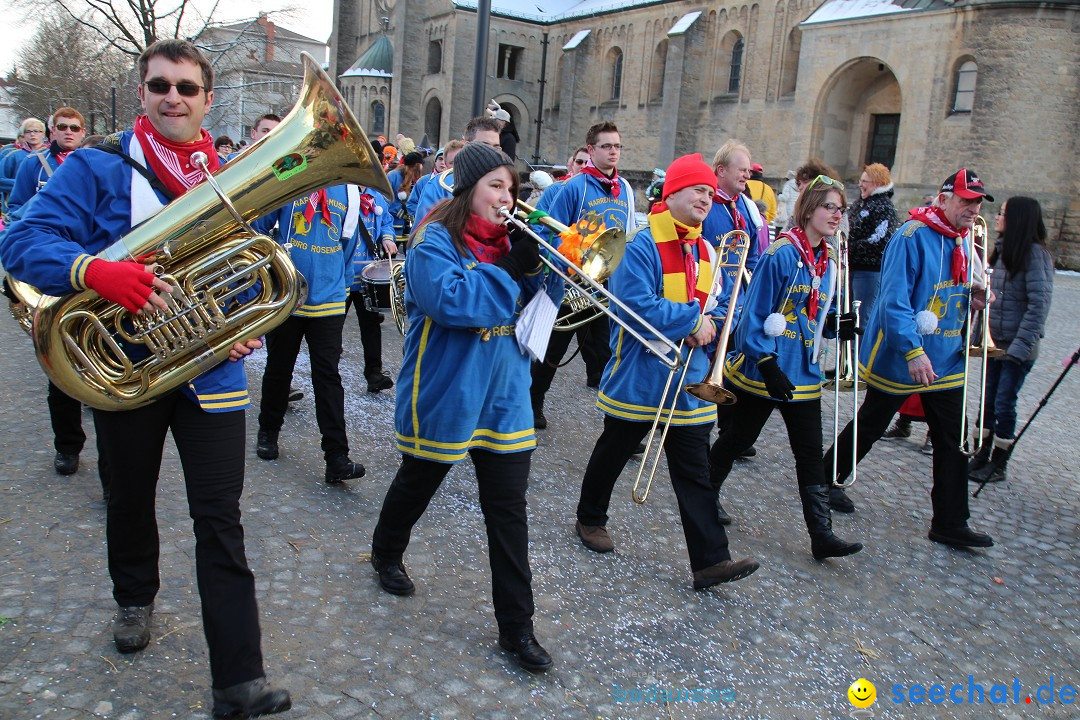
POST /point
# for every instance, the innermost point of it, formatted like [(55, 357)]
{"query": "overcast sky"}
[(314, 21)]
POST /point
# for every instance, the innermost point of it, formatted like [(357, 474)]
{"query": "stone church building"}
[(924, 86)]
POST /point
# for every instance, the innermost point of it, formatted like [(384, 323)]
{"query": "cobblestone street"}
[(783, 644)]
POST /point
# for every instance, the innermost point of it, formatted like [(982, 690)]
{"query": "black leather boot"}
[(993, 470), (250, 699), (267, 448), (521, 643), (341, 468), (539, 421), (823, 544), (131, 627), (981, 458), (839, 500)]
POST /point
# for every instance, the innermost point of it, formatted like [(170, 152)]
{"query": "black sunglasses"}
[(161, 87), (73, 127)]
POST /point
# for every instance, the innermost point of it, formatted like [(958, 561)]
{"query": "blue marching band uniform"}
[(93, 199), (465, 387)]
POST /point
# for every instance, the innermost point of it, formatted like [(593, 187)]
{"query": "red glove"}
[(124, 283)]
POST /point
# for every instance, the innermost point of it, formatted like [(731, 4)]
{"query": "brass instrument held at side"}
[(981, 318), (844, 378), (985, 348), (229, 283), (846, 375), (711, 388)]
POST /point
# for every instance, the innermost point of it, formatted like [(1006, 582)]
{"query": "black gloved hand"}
[(776, 382), (845, 327), (523, 257), (1013, 359)]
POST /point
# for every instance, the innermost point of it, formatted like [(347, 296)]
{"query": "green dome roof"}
[(376, 60)]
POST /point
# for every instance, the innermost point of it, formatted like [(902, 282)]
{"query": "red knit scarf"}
[(935, 218), (171, 161), (817, 267), (721, 198), (611, 184), (488, 241)]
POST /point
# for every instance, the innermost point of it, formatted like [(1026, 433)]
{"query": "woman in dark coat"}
[(872, 220), (1023, 283)]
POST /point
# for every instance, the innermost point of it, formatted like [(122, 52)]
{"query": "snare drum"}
[(376, 277)]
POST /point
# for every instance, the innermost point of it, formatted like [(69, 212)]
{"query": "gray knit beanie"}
[(475, 161)]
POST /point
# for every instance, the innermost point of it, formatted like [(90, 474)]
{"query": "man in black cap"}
[(914, 343)]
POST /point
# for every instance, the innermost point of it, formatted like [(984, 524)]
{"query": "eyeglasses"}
[(610, 146), (580, 162), (63, 127), (826, 180), (832, 208), (162, 87), (32, 131)]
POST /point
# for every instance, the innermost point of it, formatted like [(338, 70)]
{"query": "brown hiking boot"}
[(723, 572), (595, 537)]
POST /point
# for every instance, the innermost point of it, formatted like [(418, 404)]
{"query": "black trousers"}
[(211, 447), (502, 480), (370, 333), (323, 335), (593, 339), (949, 494), (803, 422), (65, 413), (687, 452)]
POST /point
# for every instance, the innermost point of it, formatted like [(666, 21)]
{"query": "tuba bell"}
[(229, 283)]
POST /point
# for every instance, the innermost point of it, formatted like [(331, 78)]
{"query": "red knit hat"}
[(688, 171)]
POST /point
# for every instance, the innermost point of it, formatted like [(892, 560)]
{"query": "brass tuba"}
[(205, 249)]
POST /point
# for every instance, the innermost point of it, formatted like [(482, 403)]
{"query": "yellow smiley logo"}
[(862, 693)]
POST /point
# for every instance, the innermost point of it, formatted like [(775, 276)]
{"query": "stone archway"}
[(433, 122), (858, 117)]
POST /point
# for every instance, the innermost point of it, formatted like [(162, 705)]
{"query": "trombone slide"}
[(710, 389)]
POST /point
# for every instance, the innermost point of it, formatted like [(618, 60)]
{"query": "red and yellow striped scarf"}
[(683, 276)]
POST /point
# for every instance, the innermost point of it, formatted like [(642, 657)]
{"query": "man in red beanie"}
[(666, 277)]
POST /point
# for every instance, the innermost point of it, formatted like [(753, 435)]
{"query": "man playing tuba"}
[(92, 199)]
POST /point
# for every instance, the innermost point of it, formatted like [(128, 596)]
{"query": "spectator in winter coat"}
[(872, 220)]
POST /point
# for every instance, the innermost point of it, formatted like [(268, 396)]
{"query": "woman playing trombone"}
[(665, 277), (772, 364), (464, 386)]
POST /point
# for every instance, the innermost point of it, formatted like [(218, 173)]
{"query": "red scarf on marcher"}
[(488, 241), (935, 218), (737, 218), (367, 204), (611, 184), (817, 267), (171, 161), (316, 202)]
